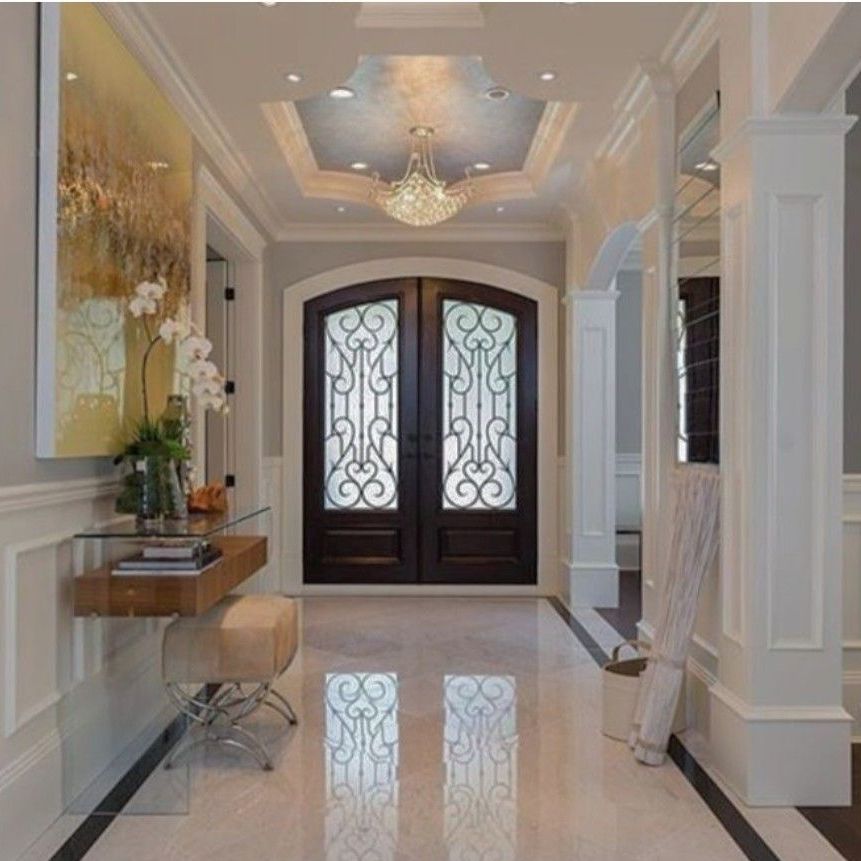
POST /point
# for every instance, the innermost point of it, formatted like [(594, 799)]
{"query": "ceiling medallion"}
[(420, 198)]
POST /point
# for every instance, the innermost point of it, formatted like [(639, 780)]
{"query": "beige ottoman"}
[(241, 645)]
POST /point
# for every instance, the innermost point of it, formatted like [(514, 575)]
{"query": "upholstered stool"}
[(242, 645)]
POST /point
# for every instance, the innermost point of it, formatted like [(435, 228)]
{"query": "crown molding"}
[(419, 15), (687, 46), (135, 26), (476, 232), (292, 140), (692, 40), (547, 140)]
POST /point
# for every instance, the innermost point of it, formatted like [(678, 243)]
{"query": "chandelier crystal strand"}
[(420, 198)]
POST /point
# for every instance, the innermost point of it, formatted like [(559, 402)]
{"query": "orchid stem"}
[(144, 361)]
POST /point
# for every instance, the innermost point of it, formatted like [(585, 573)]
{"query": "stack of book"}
[(174, 558)]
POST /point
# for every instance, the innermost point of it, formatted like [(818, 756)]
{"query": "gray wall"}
[(18, 169), (629, 363), (289, 262), (852, 287)]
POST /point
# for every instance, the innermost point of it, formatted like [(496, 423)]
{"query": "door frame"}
[(547, 298)]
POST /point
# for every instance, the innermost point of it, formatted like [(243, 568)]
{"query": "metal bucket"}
[(621, 687)]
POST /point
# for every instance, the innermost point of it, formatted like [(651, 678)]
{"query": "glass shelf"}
[(199, 526)]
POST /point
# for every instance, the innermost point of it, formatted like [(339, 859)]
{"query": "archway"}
[(546, 297)]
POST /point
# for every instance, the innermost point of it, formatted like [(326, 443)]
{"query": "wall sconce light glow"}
[(547, 75), (342, 93), (706, 165), (293, 77), (71, 76), (359, 165), (481, 165)]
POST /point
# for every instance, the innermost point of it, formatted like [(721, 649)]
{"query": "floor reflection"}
[(361, 754), (480, 754)]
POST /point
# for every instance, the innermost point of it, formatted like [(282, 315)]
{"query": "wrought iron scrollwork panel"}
[(361, 751), (479, 399), (361, 407), (481, 743)]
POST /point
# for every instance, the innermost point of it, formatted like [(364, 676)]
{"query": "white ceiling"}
[(235, 55)]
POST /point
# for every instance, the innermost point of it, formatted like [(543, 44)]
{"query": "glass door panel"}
[(479, 407)]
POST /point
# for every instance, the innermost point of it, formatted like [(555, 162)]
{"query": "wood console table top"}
[(101, 593)]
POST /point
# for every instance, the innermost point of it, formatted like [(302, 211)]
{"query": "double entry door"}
[(420, 419)]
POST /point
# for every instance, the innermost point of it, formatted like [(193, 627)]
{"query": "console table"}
[(101, 592)]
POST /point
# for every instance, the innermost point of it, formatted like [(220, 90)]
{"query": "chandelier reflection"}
[(421, 198), (480, 751), (361, 755)]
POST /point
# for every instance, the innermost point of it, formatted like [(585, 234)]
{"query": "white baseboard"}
[(781, 756), (585, 585)]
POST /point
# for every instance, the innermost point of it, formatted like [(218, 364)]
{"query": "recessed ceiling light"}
[(342, 93), (500, 209), (359, 165), (547, 75), (340, 209), (268, 2), (706, 165), (481, 165), (157, 165), (293, 77), (497, 94), (71, 76)]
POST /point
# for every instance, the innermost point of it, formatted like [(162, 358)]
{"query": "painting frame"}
[(115, 208)]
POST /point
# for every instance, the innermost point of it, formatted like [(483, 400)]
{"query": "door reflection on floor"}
[(480, 754), (479, 757), (361, 760)]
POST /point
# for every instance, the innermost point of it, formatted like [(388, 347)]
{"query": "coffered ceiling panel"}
[(393, 94), (409, 63)]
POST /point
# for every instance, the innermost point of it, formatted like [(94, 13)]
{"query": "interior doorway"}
[(421, 405)]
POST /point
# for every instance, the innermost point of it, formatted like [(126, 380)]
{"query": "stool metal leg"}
[(290, 715), (217, 720)]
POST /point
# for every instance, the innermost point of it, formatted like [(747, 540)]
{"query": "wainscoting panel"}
[(75, 692), (852, 600)]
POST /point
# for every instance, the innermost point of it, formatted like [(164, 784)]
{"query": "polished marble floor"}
[(434, 728)]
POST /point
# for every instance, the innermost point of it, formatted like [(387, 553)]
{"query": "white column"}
[(778, 730), (590, 573)]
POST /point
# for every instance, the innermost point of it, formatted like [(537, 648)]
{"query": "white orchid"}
[(193, 348), (153, 290), (196, 347), (141, 305), (211, 386), (172, 330), (212, 402), (202, 369)]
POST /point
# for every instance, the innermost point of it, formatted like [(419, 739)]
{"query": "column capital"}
[(572, 297), (783, 126)]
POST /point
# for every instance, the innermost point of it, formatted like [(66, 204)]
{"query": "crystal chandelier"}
[(420, 198)]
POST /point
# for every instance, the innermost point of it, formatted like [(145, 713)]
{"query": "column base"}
[(776, 756), (590, 584)]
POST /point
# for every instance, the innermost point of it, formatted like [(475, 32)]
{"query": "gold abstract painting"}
[(115, 210)]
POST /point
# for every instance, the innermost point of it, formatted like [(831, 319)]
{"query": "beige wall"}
[(290, 262)]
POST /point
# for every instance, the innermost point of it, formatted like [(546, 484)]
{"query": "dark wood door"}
[(420, 434), (361, 413), (479, 408)]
